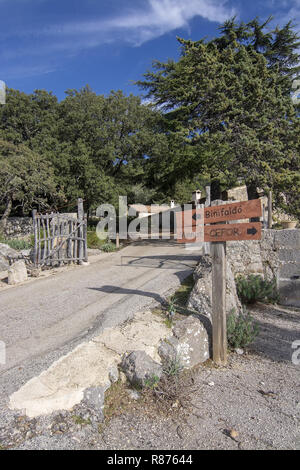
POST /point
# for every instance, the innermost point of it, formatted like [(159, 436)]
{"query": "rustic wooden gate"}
[(60, 238)]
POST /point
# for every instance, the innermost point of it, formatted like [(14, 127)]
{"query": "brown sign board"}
[(222, 213), (223, 233)]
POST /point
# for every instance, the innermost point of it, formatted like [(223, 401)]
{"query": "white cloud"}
[(142, 22), (291, 11), (157, 18)]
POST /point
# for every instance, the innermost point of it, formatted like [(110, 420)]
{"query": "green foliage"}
[(108, 247), (254, 288), (241, 330), (228, 111), (26, 179), (223, 111), (171, 308), (93, 241), (279, 45), (152, 382), (17, 244), (173, 368), (81, 421), (182, 294), (96, 145)]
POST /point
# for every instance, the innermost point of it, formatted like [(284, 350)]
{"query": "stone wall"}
[(18, 227), (276, 255)]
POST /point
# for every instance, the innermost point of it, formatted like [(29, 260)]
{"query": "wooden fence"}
[(60, 238)]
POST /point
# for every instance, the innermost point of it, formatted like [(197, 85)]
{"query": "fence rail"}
[(60, 238)]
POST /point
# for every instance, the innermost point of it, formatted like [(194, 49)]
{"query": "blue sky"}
[(61, 44)]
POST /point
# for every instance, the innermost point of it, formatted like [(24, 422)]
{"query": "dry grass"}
[(170, 395), (117, 401)]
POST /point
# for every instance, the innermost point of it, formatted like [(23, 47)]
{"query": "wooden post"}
[(85, 238), (80, 231), (270, 210), (117, 240), (35, 238), (219, 327), (208, 198), (207, 204), (218, 253)]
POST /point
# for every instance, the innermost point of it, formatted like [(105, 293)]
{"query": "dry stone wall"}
[(276, 255), (18, 227)]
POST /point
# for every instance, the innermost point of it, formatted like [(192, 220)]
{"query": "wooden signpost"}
[(208, 225), (223, 213), (223, 233)]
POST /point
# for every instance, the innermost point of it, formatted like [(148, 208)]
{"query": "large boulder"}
[(94, 400), (6, 253), (201, 296), (188, 346), (140, 368), (17, 273)]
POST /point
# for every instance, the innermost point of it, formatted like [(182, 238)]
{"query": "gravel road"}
[(253, 403)]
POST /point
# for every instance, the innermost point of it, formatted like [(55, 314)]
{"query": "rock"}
[(3, 264), (189, 345), (35, 272), (233, 433), (239, 351), (6, 253), (122, 377), (133, 394), (94, 399), (139, 367), (26, 253), (211, 384), (200, 297), (17, 273), (113, 374), (168, 350)]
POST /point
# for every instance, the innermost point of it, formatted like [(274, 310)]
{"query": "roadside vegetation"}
[(17, 244), (241, 330), (254, 288)]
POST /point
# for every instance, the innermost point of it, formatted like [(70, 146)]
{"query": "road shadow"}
[(124, 291), (277, 332), (161, 261), (162, 301)]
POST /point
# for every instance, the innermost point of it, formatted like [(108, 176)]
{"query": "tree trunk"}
[(215, 190), (6, 214), (252, 191)]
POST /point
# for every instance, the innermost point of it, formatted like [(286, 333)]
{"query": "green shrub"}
[(253, 288), (241, 330), (108, 247), (152, 382), (173, 367), (182, 294), (17, 244), (93, 241)]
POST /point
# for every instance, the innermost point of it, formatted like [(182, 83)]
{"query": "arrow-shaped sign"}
[(252, 231), (221, 233), (197, 216), (224, 212)]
